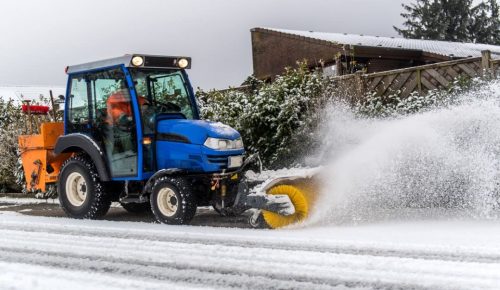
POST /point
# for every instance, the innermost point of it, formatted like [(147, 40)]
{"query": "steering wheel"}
[(168, 107), (149, 116)]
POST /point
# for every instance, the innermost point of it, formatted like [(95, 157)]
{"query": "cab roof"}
[(148, 61)]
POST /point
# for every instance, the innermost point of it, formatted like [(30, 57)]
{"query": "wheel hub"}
[(167, 202), (76, 189), (173, 200)]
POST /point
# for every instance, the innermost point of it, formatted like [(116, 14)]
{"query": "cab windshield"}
[(162, 92)]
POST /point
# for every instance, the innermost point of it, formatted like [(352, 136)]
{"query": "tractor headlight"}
[(238, 143), (137, 60), (223, 144), (182, 63)]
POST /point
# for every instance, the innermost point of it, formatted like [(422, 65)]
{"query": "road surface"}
[(54, 252)]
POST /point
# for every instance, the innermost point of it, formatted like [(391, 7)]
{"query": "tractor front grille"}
[(221, 160)]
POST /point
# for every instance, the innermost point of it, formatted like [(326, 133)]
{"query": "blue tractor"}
[(133, 132)]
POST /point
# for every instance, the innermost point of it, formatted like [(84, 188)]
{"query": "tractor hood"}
[(195, 131)]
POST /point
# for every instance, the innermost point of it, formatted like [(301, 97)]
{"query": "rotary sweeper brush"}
[(300, 186), (132, 134)]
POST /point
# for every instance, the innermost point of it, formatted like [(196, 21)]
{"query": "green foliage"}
[(275, 119), (452, 20), (393, 105), (485, 22), (11, 126)]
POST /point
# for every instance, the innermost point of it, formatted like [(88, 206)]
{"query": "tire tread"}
[(100, 203), (184, 190)]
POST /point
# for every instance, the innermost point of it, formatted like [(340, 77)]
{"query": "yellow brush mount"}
[(299, 201), (302, 193)]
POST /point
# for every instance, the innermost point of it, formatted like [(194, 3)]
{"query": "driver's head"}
[(144, 104), (143, 101)]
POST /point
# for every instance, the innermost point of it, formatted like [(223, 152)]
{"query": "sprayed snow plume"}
[(443, 157)]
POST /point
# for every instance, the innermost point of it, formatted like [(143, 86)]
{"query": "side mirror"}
[(60, 97)]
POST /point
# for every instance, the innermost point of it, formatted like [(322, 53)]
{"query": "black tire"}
[(256, 221), (133, 207), (79, 171), (172, 201)]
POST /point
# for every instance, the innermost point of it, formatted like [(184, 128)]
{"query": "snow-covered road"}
[(61, 253)]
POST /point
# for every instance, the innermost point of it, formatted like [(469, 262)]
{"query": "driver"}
[(117, 135), (119, 107)]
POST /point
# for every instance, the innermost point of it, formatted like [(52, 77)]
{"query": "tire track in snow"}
[(211, 276), (416, 252), (233, 266), (36, 277), (230, 275)]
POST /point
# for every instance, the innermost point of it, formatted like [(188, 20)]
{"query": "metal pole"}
[(30, 125), (54, 113)]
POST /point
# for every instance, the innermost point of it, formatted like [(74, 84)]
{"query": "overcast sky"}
[(40, 38)]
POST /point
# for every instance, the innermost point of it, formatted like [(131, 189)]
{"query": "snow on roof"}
[(446, 48), (21, 93)]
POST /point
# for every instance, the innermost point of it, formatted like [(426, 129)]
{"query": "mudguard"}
[(82, 143), (160, 173)]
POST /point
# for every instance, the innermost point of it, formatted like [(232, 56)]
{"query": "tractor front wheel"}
[(81, 193), (173, 201)]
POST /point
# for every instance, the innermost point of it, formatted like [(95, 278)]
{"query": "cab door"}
[(100, 105)]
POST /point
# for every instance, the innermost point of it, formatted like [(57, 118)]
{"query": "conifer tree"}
[(452, 20)]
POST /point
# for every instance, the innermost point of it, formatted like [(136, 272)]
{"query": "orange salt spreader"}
[(41, 166)]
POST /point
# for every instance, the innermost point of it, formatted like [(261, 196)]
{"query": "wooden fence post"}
[(360, 84), (338, 66), (486, 62), (419, 81)]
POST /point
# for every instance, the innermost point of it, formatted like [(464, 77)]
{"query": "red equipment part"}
[(35, 109)]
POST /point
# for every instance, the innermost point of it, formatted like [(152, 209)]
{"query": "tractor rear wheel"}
[(81, 193), (173, 201)]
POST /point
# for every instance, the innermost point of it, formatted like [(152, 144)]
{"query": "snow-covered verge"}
[(60, 253), (26, 200)]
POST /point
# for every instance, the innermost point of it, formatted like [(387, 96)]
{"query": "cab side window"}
[(78, 109)]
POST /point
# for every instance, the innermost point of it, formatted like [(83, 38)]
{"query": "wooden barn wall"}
[(273, 52)]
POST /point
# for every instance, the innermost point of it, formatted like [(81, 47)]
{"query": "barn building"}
[(341, 53)]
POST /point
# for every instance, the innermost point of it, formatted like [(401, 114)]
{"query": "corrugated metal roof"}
[(445, 48)]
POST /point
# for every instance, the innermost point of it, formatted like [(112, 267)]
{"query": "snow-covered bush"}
[(276, 119), (393, 105), (11, 126)]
